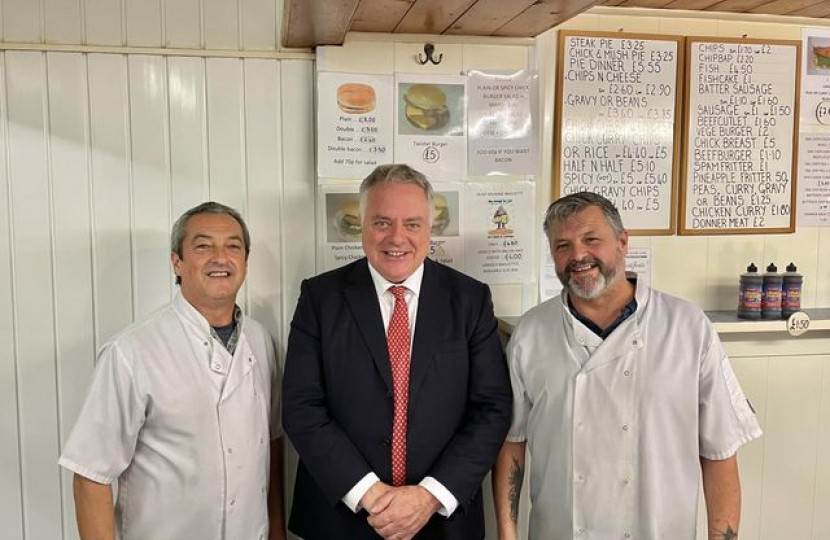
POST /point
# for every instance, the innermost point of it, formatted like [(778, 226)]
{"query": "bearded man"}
[(623, 397)]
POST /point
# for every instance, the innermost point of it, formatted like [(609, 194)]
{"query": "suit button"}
[(389, 394), (386, 442)]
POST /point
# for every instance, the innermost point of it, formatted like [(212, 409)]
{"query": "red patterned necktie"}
[(397, 339)]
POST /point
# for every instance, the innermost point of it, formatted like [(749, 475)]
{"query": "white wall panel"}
[(182, 23), (790, 447), (62, 21), (112, 206), (188, 138), (21, 21), (150, 182), (32, 267), (727, 257), (71, 233), (104, 22), (143, 19), (11, 511), (264, 139), (226, 130), (259, 24), (821, 518), (221, 24), (822, 277)]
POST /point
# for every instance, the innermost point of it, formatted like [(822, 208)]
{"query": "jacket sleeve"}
[(327, 452)]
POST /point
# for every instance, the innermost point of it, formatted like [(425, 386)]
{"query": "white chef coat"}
[(615, 427), (191, 459)]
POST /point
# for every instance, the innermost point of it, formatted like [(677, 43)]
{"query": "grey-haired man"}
[(183, 410)]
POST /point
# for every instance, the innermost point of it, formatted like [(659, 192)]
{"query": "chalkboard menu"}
[(617, 123), (741, 136)]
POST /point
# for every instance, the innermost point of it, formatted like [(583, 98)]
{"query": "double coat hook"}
[(429, 49)]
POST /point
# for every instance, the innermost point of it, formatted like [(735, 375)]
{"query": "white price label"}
[(798, 323)]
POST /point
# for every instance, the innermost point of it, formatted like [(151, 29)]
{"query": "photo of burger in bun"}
[(821, 56), (347, 221), (356, 98), (442, 215), (426, 107)]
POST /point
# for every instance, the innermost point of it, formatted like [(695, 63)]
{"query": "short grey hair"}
[(180, 227), (396, 173), (561, 209)]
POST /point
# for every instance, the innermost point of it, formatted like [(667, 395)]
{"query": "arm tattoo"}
[(517, 474), (728, 534)]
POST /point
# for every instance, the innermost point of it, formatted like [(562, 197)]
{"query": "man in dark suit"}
[(396, 394)]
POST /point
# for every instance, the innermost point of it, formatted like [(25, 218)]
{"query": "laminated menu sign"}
[(815, 77), (617, 134), (499, 233), (341, 227), (446, 243), (354, 124), (502, 128), (431, 125), (742, 126), (814, 180)]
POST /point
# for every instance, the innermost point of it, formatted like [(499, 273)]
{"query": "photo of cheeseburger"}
[(821, 57), (426, 106), (355, 98), (442, 215)]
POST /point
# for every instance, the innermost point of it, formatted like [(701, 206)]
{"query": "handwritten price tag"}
[(798, 323)]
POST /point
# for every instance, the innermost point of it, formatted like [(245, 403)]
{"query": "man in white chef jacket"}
[(623, 397), (183, 410)]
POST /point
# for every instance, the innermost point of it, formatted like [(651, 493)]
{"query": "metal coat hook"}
[(429, 49)]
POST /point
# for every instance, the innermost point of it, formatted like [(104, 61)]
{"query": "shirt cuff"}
[(448, 502), (352, 498)]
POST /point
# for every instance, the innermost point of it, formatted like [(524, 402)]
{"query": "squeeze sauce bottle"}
[(749, 298), (791, 291), (771, 302)]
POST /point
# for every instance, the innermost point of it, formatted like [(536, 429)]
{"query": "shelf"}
[(726, 322)]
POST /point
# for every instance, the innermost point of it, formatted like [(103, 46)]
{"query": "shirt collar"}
[(413, 282), (190, 313)]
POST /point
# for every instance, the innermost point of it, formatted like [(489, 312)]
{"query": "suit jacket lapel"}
[(433, 313), (363, 302)]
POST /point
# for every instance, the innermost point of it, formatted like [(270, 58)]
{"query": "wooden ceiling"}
[(309, 23)]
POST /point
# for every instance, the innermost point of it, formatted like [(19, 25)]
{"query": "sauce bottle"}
[(791, 291), (749, 298), (771, 302)]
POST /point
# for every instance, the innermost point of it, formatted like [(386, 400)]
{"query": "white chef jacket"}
[(191, 460), (615, 427)]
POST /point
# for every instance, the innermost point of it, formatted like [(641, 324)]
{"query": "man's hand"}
[(373, 494), (401, 512)]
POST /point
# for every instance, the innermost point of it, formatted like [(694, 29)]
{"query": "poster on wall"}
[(814, 180), (499, 233), (354, 124), (431, 125), (446, 243), (815, 76), (340, 226), (501, 122)]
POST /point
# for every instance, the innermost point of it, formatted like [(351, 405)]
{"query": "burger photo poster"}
[(431, 125), (447, 243), (815, 76), (340, 226), (354, 123), (499, 231)]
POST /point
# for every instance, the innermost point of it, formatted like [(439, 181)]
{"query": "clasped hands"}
[(398, 513)]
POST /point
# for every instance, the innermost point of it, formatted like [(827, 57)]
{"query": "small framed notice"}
[(617, 123), (741, 133)]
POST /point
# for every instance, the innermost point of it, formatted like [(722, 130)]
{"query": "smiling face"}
[(588, 256), (396, 229), (213, 263)]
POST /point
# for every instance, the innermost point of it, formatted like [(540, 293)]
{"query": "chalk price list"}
[(617, 137), (740, 135)]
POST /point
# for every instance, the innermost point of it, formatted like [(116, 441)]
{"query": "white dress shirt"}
[(387, 304)]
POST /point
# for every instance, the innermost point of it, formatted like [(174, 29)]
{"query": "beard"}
[(587, 287)]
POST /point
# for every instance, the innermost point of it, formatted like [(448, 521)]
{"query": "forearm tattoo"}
[(728, 534), (517, 474)]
